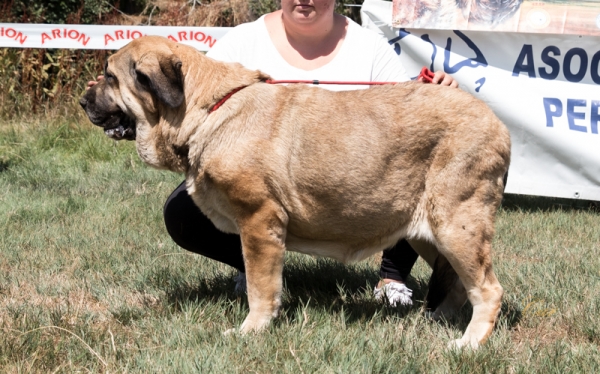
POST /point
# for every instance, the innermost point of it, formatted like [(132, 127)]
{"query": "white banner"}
[(546, 89), (19, 35)]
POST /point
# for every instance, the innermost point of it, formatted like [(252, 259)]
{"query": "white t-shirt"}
[(363, 56)]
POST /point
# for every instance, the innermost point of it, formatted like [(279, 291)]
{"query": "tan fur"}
[(337, 174)]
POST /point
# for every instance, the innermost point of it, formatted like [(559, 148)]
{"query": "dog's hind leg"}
[(446, 293), (263, 245), (466, 242)]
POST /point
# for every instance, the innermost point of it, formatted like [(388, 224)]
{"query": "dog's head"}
[(138, 80)]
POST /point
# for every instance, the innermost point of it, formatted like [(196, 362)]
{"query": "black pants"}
[(193, 231)]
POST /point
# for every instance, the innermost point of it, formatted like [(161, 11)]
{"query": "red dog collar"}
[(224, 99)]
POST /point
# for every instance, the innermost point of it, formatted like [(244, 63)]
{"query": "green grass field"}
[(91, 282)]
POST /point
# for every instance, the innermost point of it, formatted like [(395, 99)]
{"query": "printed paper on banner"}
[(532, 16)]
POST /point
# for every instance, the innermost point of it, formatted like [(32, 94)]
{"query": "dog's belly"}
[(352, 240), (343, 252)]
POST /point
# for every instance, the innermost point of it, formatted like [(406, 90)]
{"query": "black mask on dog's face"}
[(102, 111), (155, 79)]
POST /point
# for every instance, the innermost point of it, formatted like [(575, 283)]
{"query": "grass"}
[(91, 282)]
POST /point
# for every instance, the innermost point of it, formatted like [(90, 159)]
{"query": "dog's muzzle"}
[(116, 124)]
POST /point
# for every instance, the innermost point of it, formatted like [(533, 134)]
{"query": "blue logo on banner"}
[(478, 60)]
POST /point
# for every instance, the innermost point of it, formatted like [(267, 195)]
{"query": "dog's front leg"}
[(263, 245)]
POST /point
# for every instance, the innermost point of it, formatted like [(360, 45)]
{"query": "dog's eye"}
[(143, 79), (109, 77)]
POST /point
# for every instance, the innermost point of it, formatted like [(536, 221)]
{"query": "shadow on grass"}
[(328, 286), (4, 165), (509, 317), (531, 204), (321, 285)]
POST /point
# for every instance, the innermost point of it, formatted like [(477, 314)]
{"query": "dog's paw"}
[(230, 332), (255, 323), (460, 344)]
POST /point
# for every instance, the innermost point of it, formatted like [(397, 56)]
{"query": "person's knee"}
[(174, 214), (173, 224)]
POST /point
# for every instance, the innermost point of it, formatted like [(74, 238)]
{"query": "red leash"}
[(317, 82), (426, 75)]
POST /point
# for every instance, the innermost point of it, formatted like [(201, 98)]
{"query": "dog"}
[(451, 13), (336, 174)]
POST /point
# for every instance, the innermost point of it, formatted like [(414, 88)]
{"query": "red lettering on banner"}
[(83, 39), (13, 34), (108, 38), (66, 34), (210, 41), (197, 36), (21, 37), (200, 33), (121, 35), (45, 37), (73, 34)]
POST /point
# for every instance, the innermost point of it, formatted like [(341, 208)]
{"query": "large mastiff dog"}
[(336, 174)]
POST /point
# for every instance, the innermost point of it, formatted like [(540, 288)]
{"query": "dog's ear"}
[(161, 74)]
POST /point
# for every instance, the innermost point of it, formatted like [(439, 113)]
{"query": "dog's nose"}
[(83, 102)]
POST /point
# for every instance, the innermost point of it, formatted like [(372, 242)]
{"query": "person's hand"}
[(91, 84), (444, 79)]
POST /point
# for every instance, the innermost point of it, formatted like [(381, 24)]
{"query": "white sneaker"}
[(395, 293), (240, 283)]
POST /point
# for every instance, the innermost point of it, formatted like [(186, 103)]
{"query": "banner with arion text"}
[(101, 37)]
